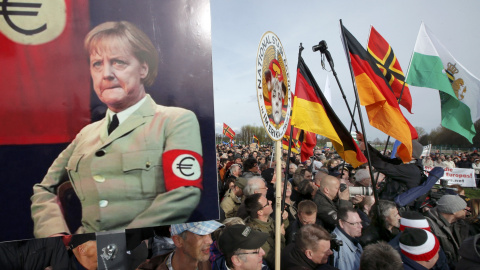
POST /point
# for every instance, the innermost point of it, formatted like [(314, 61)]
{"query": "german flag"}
[(376, 95), (255, 139), (388, 63), (286, 139), (228, 131), (311, 112)]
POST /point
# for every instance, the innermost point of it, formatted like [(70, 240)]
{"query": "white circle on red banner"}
[(33, 22), (186, 167)]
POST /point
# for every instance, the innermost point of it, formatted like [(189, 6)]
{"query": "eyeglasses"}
[(257, 251), (354, 223), (268, 203)]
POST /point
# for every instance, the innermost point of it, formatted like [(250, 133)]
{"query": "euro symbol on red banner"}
[(7, 13)]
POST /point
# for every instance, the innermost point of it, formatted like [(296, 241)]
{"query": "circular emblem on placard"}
[(186, 167), (32, 22), (273, 86)]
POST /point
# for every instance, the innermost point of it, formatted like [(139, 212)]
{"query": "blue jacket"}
[(348, 257)]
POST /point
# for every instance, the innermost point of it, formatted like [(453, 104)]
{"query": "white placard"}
[(457, 176)]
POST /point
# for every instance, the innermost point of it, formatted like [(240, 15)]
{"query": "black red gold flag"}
[(311, 112)]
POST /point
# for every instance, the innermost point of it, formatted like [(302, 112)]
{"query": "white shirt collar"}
[(123, 115)]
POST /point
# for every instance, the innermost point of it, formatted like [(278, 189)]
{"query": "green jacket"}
[(269, 246)]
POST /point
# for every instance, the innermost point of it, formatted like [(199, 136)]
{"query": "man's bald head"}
[(330, 186), (328, 181)]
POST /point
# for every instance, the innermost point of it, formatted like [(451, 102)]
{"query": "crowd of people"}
[(328, 223)]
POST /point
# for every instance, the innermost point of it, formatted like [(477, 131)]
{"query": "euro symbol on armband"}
[(28, 9), (181, 166)]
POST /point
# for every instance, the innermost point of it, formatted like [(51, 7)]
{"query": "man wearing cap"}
[(232, 200), (192, 247), (419, 249), (83, 252), (399, 177), (446, 221), (242, 247)]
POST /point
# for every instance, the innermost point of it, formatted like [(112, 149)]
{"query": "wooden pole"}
[(278, 202)]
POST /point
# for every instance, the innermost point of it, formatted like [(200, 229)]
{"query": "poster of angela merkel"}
[(106, 116)]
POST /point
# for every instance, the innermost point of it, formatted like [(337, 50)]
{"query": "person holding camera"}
[(348, 229), (329, 198)]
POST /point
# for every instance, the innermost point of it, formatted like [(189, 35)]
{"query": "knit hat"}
[(412, 219), (450, 204), (241, 182), (417, 149), (361, 174), (418, 244)]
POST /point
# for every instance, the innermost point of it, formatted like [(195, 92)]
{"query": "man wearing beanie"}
[(446, 221), (242, 247), (232, 200), (419, 249), (412, 219)]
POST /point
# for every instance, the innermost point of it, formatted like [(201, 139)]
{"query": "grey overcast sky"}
[(237, 27)]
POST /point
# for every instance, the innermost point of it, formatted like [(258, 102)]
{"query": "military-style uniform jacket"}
[(119, 178), (230, 204)]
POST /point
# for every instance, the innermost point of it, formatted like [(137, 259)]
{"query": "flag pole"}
[(278, 211), (323, 49), (357, 103)]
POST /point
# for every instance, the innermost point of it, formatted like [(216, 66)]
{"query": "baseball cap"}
[(78, 239), (241, 182), (200, 228), (241, 236)]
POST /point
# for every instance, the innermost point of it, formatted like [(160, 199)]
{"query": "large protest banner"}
[(457, 176)]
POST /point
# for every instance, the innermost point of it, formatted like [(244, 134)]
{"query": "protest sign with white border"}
[(457, 176)]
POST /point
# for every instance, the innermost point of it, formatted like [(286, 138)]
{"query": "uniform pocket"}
[(72, 169), (142, 170)]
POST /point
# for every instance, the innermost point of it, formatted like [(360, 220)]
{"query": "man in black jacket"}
[(329, 199), (399, 177)]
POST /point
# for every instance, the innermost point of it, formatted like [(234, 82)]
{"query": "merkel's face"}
[(277, 98), (117, 75)]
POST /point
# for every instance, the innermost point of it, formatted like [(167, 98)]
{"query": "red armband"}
[(182, 168)]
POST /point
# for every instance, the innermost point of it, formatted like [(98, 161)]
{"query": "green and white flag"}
[(433, 66)]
